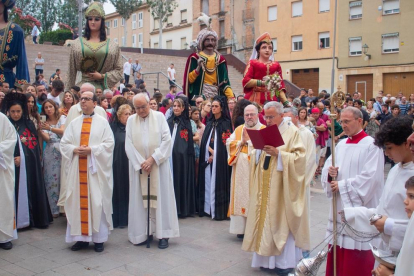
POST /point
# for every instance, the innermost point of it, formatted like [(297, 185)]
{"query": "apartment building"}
[(376, 46)]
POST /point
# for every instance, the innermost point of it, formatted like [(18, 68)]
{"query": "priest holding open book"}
[(277, 230)]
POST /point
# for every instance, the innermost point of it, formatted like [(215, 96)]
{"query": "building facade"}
[(376, 47), (137, 28)]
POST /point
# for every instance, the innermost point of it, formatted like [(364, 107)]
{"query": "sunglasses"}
[(97, 19)]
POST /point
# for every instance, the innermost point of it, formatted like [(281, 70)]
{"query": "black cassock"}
[(223, 129), (39, 210), (183, 166), (120, 198)]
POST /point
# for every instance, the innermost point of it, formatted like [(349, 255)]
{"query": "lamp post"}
[(365, 51), (80, 7)]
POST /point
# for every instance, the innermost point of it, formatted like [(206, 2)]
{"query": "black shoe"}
[(79, 245), (99, 247), (145, 242), (240, 236), (6, 245), (163, 244)]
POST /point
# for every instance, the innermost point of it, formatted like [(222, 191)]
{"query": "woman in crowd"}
[(214, 171), (94, 55), (30, 89), (231, 103), (103, 102), (373, 124), (153, 104), (120, 198), (52, 131), (67, 103), (33, 110), (31, 198), (195, 117), (182, 158), (116, 102), (205, 108), (237, 118)]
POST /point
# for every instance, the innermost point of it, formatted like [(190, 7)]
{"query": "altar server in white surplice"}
[(393, 138), (87, 148), (148, 147), (8, 139), (359, 183)]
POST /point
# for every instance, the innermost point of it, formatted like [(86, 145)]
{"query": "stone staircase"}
[(58, 57)]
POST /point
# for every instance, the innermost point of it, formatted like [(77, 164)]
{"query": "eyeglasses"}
[(97, 19), (85, 99), (250, 114), (345, 122), (141, 107), (269, 117)]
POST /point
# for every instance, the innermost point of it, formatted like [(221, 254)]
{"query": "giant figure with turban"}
[(206, 71), (12, 51)]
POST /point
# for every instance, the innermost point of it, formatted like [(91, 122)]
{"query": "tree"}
[(160, 9), (28, 7), (125, 8), (47, 13)]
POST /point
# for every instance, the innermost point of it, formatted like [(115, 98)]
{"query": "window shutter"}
[(272, 13), (296, 8), (274, 40), (324, 5)]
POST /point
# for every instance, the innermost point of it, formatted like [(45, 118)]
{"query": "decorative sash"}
[(83, 178)]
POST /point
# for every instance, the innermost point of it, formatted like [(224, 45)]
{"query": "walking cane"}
[(337, 100), (148, 219)]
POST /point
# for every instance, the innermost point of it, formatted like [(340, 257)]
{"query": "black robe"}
[(223, 170), (120, 197), (183, 164), (39, 210)]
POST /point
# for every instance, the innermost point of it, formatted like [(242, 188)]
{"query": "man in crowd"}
[(87, 148), (310, 96), (148, 147), (98, 92), (278, 199), (378, 103), (171, 74), (239, 147), (57, 88), (138, 80), (395, 110), (399, 98), (385, 114), (39, 62), (172, 93), (55, 76), (41, 96), (359, 178), (127, 70), (206, 71), (8, 140), (5, 87), (302, 96), (35, 34), (136, 69), (198, 101), (365, 116), (75, 90), (404, 106)]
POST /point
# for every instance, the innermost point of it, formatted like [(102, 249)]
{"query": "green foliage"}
[(126, 7), (161, 8), (55, 36)]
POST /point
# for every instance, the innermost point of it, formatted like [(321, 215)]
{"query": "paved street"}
[(204, 248)]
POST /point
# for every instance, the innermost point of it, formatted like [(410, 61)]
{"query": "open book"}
[(269, 136)]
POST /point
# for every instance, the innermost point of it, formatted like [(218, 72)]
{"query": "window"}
[(391, 6), (156, 45), (355, 10), (272, 13), (355, 46), (391, 43), (115, 23), (221, 5), (156, 23), (222, 28), (297, 43), (184, 16), (183, 43), (134, 40), (204, 6), (134, 21), (122, 21), (116, 40), (107, 25), (140, 19), (169, 44), (297, 9), (169, 20), (324, 41), (123, 42), (140, 40), (324, 5), (274, 40)]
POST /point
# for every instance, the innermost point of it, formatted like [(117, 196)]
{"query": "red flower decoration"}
[(184, 134), (225, 136)]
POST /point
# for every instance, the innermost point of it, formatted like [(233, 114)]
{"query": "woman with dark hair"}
[(31, 198), (95, 55), (182, 158), (237, 117), (67, 102), (214, 171), (13, 51), (262, 64), (52, 131), (32, 110)]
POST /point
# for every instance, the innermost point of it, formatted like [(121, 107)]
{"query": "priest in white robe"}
[(277, 224), (359, 182), (393, 138), (87, 148), (239, 147), (8, 139), (148, 147), (75, 112)]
